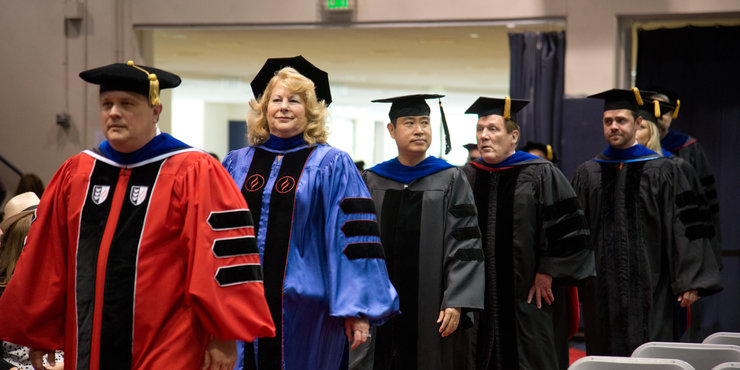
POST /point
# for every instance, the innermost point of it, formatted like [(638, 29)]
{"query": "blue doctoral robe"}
[(320, 250)]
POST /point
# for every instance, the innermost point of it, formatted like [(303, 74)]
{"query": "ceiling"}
[(363, 62)]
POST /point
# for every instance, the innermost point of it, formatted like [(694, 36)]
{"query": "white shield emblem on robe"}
[(138, 194), (100, 193)]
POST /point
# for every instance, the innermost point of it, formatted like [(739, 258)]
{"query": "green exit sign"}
[(337, 4)]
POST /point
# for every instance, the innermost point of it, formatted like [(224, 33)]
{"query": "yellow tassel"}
[(656, 104), (153, 84), (637, 96), (507, 108), (675, 111), (549, 153)]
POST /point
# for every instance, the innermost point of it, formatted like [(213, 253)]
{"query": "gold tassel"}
[(675, 111), (549, 152), (154, 89), (153, 84), (507, 108), (656, 104), (637, 96)]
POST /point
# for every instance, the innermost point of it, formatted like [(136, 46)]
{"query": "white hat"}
[(17, 207)]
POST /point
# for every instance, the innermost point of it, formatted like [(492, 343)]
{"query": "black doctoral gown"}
[(649, 245), (530, 222), (433, 253)]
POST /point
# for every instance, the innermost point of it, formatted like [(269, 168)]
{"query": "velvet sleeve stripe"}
[(357, 205), (228, 220), (568, 246), (565, 227), (687, 198), (696, 232), (706, 181), (232, 275), (364, 250), (465, 233), (233, 247), (561, 208), (469, 254), (463, 210), (691, 215), (360, 228), (711, 194)]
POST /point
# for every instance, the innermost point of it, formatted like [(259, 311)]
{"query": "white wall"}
[(40, 61)]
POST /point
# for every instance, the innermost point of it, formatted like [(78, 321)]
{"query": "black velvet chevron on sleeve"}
[(364, 250), (357, 205), (360, 228), (465, 233), (463, 210), (230, 219)]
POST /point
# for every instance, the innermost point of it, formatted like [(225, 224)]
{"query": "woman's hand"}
[(357, 330)]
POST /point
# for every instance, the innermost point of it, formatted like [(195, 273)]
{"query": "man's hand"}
[(357, 330), (688, 297), (541, 288), (36, 356), (220, 355), (450, 318)]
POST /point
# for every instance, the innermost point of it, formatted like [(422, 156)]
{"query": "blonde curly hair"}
[(316, 131)]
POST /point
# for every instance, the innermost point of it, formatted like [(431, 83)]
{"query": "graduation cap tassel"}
[(637, 96), (675, 111), (656, 106), (153, 84), (448, 144), (550, 156), (154, 89), (507, 108)]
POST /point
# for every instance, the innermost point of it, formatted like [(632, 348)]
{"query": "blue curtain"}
[(537, 68)]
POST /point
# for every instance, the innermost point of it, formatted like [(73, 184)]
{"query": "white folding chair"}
[(723, 337), (700, 356), (628, 363), (727, 365)]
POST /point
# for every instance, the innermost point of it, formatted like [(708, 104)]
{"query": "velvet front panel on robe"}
[(435, 260)]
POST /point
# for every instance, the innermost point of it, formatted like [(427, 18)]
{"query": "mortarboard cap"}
[(620, 99), (544, 148), (416, 105), (147, 81), (505, 107), (672, 99), (299, 63), (471, 146)]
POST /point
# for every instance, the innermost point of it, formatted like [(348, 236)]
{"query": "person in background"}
[(142, 252), (541, 150), (648, 135), (315, 225), (641, 211), (473, 152), (19, 211), (432, 244), (535, 239), (689, 149), (30, 182)]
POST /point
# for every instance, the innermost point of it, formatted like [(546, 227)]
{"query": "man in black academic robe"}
[(649, 245), (535, 240)]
